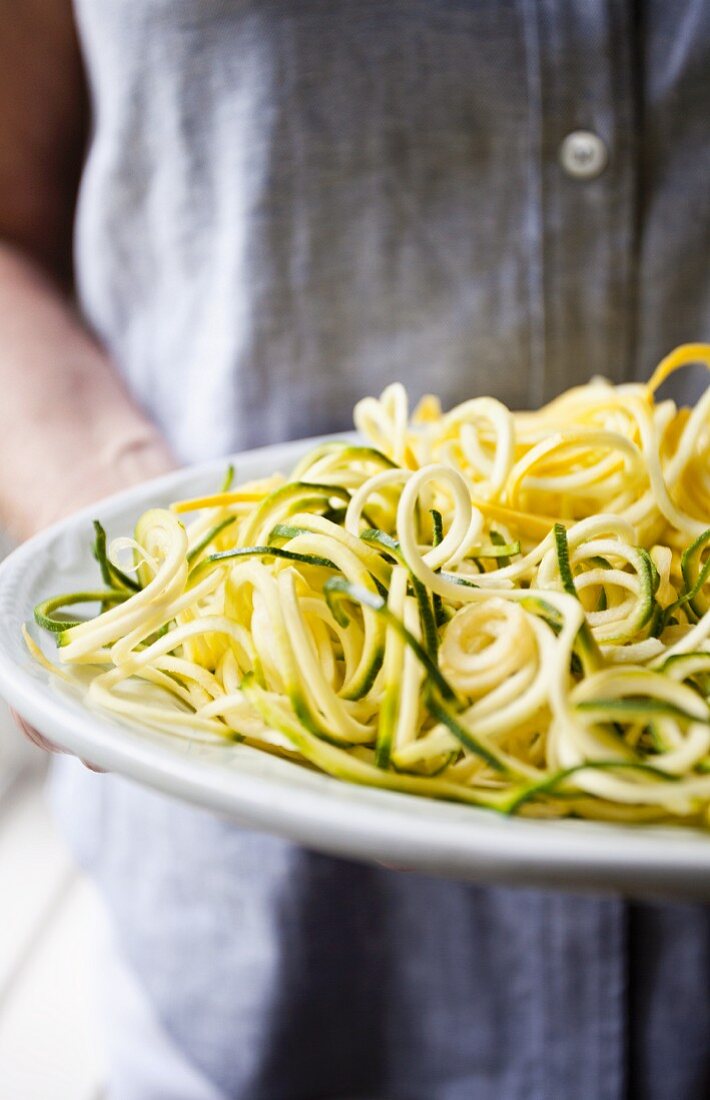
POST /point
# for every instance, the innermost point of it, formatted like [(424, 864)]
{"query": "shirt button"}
[(583, 155)]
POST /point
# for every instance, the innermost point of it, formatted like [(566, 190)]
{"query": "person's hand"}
[(132, 465), (33, 735), (40, 741)]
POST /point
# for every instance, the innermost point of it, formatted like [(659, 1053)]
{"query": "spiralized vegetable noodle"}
[(510, 610)]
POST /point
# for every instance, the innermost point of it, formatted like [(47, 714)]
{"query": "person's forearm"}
[(69, 433)]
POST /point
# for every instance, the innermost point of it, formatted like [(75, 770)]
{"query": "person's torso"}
[(286, 205)]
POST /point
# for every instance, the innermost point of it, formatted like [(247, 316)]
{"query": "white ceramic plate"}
[(282, 798)]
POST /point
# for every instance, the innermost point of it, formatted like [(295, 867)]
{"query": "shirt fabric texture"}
[(284, 207)]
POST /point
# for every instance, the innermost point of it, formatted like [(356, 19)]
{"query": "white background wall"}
[(49, 1038)]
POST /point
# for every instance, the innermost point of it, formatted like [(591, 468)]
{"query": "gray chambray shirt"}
[(286, 204)]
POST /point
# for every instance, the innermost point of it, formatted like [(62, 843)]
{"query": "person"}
[(275, 209)]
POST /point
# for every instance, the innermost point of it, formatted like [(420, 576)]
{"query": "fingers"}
[(393, 867), (34, 735), (42, 742), (94, 767)]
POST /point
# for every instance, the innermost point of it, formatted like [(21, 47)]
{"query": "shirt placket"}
[(582, 226)]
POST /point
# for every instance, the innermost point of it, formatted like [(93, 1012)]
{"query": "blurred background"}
[(49, 1044)]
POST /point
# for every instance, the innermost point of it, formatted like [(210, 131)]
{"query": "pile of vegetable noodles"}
[(510, 610)]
